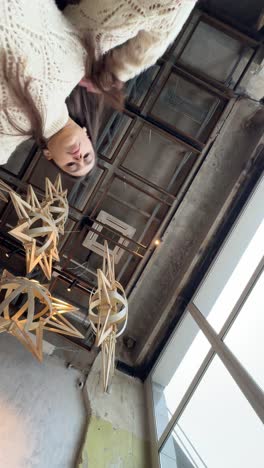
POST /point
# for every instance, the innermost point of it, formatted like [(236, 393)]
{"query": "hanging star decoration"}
[(57, 203), (27, 309), (39, 225), (4, 189), (37, 232), (108, 312), (57, 322)]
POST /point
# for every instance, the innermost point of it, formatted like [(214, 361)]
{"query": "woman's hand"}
[(89, 85), (92, 88)]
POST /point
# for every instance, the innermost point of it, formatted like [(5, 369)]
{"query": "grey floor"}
[(42, 414)]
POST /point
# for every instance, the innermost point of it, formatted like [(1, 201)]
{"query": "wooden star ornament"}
[(17, 310), (108, 313), (57, 203), (27, 309), (4, 191), (37, 231)]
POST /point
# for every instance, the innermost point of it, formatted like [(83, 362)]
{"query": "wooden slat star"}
[(19, 321), (31, 237), (4, 189), (37, 232), (108, 312), (57, 323), (40, 224), (24, 320), (57, 203)]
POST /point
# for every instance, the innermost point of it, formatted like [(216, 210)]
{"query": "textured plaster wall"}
[(117, 435), (42, 413)]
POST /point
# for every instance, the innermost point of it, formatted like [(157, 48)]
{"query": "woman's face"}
[(71, 150)]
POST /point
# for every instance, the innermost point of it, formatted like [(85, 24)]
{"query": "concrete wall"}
[(42, 412), (235, 141), (117, 432)]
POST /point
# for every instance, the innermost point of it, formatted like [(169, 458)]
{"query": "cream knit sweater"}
[(47, 43), (35, 34), (145, 28)]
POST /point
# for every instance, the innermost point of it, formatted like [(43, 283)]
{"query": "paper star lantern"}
[(57, 203), (37, 232), (27, 307), (4, 189), (108, 312)]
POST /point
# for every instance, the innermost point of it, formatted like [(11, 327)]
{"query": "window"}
[(157, 158), (234, 265), (174, 373), (138, 87), (226, 51), (188, 107), (217, 429), (218, 44), (245, 338), (112, 134), (207, 387)]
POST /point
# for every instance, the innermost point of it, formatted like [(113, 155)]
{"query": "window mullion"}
[(247, 385), (152, 424), (185, 399), (242, 299)]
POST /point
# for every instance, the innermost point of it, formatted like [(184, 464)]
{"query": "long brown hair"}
[(86, 109), (20, 89), (98, 70)]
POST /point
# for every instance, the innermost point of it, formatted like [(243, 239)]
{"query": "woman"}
[(43, 56), (131, 34), (41, 60)]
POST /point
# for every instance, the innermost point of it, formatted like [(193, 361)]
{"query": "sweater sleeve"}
[(136, 55), (142, 51), (132, 35)]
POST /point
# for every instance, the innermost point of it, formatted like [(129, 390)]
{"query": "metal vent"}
[(95, 242)]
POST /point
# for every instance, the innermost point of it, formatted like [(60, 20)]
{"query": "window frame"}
[(250, 389)]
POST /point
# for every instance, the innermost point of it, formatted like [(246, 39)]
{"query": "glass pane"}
[(218, 428), (114, 130), (222, 52), (246, 337), (159, 159), (139, 87), (235, 263), (186, 106), (19, 157), (176, 369)]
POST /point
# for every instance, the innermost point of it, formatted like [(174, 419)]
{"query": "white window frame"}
[(245, 382)]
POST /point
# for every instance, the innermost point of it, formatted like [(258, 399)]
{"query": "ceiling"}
[(148, 161)]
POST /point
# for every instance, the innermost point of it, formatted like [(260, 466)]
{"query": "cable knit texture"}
[(144, 28), (36, 35)]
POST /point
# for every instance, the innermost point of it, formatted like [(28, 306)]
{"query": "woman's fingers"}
[(89, 85)]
